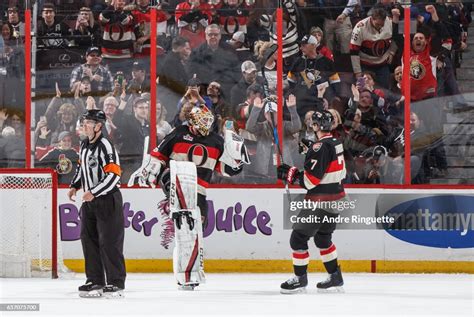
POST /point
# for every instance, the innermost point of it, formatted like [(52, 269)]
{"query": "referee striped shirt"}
[(99, 169), (290, 39)]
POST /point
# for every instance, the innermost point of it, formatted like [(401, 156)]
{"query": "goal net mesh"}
[(26, 225)]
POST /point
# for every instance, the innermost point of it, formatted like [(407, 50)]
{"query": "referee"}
[(102, 222)]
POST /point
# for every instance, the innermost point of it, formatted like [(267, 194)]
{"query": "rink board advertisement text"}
[(247, 224)]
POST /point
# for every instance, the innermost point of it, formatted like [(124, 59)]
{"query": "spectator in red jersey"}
[(424, 84), (233, 16), (423, 65), (118, 36), (193, 16)]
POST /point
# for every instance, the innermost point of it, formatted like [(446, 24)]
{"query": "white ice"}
[(252, 295)]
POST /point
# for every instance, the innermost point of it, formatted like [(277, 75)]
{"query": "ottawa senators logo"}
[(198, 154), (64, 165), (417, 70), (317, 146), (380, 47)]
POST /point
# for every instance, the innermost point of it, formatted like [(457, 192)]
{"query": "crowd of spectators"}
[(344, 56)]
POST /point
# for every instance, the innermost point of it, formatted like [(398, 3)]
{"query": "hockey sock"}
[(300, 262), (329, 258)]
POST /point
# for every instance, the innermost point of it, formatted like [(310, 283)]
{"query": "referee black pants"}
[(102, 235)]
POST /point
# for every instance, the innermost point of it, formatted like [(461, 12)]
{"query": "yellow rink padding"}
[(285, 266)]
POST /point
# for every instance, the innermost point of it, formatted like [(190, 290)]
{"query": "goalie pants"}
[(102, 235)]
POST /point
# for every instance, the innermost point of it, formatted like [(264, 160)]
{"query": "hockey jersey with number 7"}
[(324, 170)]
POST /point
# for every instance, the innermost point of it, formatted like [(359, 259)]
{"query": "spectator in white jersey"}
[(372, 47)]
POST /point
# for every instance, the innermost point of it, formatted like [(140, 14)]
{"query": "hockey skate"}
[(187, 287), (91, 290), (333, 284), (294, 285), (112, 291)]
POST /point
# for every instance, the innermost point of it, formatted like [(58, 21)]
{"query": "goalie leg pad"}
[(188, 254)]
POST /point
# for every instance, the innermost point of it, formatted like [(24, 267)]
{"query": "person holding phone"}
[(100, 77), (86, 31)]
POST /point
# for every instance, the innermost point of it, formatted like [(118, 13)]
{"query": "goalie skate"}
[(188, 261)]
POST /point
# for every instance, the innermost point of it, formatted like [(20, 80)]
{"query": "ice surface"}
[(252, 295)]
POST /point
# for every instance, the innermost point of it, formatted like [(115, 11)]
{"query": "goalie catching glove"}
[(288, 173)]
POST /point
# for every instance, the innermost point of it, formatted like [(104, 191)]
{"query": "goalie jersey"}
[(324, 170), (205, 151)]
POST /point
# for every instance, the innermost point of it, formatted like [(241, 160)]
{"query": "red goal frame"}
[(54, 209)]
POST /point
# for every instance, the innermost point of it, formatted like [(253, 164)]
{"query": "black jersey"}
[(324, 169), (64, 162), (305, 75), (204, 151), (310, 72)]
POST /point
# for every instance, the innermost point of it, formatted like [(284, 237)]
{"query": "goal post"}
[(29, 223)]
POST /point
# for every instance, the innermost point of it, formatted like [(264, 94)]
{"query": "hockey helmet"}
[(94, 114), (201, 119), (323, 119)]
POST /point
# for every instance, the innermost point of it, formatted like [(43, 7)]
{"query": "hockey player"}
[(196, 143), (324, 170)]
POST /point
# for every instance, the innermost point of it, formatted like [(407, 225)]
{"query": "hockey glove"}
[(151, 172), (304, 145), (288, 173), (147, 173)]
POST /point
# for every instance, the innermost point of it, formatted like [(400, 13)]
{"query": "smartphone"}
[(360, 82), (43, 118), (120, 79)]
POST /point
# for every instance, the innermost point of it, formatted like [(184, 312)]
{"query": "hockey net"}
[(28, 224)]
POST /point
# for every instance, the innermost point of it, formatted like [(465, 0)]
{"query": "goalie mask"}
[(201, 119), (235, 152)]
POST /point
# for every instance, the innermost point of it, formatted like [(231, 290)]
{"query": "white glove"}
[(147, 173), (151, 172)]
